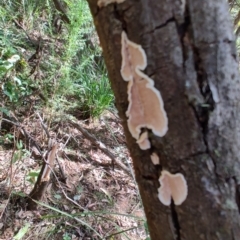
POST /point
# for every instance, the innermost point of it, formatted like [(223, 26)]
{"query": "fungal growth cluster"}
[(173, 186), (145, 109)]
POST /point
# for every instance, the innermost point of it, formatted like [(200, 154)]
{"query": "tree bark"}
[(191, 57)]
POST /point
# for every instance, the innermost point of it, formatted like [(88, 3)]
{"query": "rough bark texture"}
[(192, 59)]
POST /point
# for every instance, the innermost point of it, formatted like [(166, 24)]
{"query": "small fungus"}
[(155, 159), (143, 141), (145, 109), (104, 3), (172, 186)]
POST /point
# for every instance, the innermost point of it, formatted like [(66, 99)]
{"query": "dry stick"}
[(50, 163), (61, 170), (43, 126), (100, 145), (5, 206), (43, 179), (49, 137)]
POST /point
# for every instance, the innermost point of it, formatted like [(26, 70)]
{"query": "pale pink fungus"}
[(155, 158), (145, 109), (143, 141), (172, 186)]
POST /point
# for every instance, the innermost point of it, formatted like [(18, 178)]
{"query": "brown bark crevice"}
[(175, 220), (237, 194), (162, 25)]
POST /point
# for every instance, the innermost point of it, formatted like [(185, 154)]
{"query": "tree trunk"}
[(191, 57)]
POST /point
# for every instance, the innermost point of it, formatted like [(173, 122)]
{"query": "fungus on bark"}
[(145, 109), (143, 141), (155, 159), (173, 186), (104, 3)]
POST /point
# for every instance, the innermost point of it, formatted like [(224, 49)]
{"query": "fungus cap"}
[(143, 141), (172, 186), (155, 159)]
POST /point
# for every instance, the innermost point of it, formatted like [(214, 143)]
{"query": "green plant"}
[(93, 93), (32, 176), (70, 216), (20, 152), (84, 79), (6, 138), (22, 232), (66, 236)]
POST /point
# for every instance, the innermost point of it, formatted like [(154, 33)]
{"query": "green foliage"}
[(84, 79), (93, 93), (20, 152), (32, 176), (14, 84), (70, 216), (66, 236), (70, 68), (6, 139)]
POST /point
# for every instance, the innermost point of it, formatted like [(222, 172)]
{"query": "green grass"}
[(71, 65), (84, 79)]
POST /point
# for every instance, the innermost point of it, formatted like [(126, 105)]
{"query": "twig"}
[(65, 144), (100, 145), (48, 135), (61, 169), (13, 123), (43, 125), (49, 164), (5, 206)]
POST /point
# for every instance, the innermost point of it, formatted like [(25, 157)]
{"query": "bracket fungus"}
[(172, 186), (145, 109), (104, 3)]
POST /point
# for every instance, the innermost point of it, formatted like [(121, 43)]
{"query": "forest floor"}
[(88, 196)]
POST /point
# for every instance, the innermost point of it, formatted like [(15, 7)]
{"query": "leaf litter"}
[(107, 195)]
